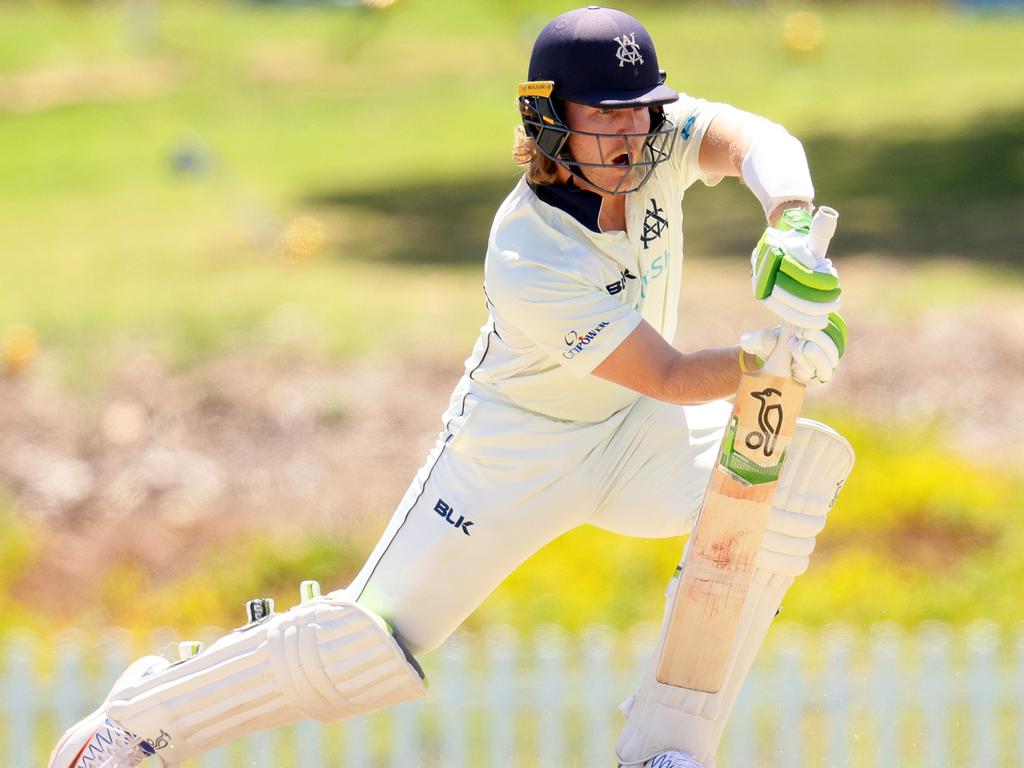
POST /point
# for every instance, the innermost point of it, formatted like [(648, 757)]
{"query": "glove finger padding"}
[(799, 312), (818, 346), (795, 283), (802, 370), (810, 362), (815, 353), (838, 332), (803, 269)]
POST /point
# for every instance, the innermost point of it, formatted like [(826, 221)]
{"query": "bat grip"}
[(823, 226), (780, 359)]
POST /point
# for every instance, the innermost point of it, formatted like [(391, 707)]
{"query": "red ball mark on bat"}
[(723, 553)]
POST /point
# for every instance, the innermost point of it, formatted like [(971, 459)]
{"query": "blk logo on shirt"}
[(654, 224), (620, 285)]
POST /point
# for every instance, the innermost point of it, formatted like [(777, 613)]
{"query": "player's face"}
[(621, 145)]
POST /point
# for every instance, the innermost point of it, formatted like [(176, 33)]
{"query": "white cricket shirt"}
[(563, 295)]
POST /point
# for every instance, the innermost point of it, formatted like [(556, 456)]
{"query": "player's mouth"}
[(622, 159)]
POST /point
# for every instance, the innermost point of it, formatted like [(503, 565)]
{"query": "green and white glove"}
[(815, 353), (798, 286)]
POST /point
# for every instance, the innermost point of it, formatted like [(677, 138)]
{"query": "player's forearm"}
[(700, 377), (728, 139), (648, 364)]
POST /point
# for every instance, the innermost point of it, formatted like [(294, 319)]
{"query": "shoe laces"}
[(126, 751), (673, 759)]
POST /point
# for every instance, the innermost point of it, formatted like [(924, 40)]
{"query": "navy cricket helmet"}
[(602, 58)]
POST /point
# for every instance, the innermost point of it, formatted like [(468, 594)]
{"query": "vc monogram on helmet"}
[(629, 50)]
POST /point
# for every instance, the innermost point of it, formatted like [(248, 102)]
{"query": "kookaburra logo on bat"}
[(769, 419)]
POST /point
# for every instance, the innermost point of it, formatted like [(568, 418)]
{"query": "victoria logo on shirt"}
[(577, 342), (654, 224)]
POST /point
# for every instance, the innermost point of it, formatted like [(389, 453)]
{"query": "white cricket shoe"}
[(97, 741)]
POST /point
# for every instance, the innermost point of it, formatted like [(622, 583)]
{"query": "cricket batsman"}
[(574, 409)]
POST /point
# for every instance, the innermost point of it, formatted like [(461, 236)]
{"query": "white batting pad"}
[(663, 717), (326, 659)]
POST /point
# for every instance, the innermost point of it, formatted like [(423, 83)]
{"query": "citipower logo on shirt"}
[(576, 343)]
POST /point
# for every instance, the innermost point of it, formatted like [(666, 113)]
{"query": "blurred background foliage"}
[(311, 186)]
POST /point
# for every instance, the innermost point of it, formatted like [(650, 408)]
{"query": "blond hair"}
[(537, 168)]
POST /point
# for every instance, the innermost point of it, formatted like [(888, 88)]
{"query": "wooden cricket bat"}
[(718, 564)]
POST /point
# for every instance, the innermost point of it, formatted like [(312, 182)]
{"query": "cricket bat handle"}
[(823, 226)]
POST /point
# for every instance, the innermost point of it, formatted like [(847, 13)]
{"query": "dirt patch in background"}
[(164, 465), (97, 82), (159, 466)]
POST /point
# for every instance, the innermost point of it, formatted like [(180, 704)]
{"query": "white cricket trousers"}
[(502, 482)]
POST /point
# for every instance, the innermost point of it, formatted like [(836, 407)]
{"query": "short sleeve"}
[(692, 118), (573, 322)]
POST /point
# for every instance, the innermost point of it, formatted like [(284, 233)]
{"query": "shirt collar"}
[(582, 204)]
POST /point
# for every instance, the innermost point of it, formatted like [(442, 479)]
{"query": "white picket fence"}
[(836, 697)]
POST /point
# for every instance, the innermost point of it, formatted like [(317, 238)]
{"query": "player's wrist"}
[(792, 215), (749, 363)]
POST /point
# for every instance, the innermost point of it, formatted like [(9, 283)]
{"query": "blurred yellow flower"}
[(20, 346), (803, 32), (303, 239)]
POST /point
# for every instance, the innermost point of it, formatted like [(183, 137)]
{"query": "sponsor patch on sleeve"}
[(687, 130), (577, 343)]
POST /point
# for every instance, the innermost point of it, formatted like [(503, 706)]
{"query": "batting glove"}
[(800, 288), (815, 354)]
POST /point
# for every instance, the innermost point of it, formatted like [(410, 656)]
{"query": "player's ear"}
[(657, 116), (544, 122)]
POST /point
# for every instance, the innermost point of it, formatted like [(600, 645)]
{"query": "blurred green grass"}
[(393, 128)]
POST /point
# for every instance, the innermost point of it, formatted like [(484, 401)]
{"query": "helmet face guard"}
[(545, 125)]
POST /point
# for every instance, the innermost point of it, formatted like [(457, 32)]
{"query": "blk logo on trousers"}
[(447, 511)]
